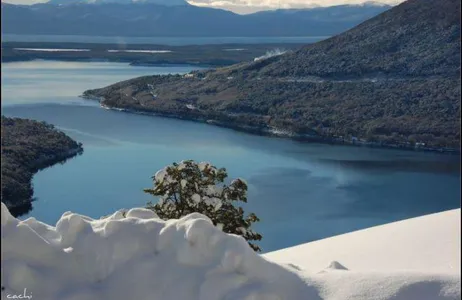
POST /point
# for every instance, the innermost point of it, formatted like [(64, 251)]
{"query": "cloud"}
[(281, 3)]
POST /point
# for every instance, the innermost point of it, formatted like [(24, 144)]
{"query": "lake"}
[(301, 191)]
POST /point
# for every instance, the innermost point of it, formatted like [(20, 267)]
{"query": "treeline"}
[(27, 147), (401, 111)]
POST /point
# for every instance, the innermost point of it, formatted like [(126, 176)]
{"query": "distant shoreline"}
[(209, 55), (135, 64)]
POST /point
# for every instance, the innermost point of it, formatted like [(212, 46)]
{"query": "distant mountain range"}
[(392, 81), (160, 2), (155, 18)]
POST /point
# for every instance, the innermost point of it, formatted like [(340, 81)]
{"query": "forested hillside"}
[(28, 146), (393, 81)]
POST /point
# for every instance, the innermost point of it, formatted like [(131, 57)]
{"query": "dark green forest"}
[(27, 147)]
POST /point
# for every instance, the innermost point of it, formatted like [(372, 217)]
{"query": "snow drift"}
[(414, 259), (135, 255), (425, 244)]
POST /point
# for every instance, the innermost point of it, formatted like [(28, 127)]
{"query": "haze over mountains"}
[(156, 18), (394, 79), (160, 2)]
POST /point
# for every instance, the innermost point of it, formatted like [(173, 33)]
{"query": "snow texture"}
[(135, 255), (414, 259)]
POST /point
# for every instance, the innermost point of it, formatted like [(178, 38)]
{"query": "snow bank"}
[(135, 255), (425, 244), (414, 259)]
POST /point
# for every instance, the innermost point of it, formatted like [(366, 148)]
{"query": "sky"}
[(249, 6)]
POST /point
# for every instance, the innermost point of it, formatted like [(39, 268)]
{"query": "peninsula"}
[(27, 147), (392, 81)]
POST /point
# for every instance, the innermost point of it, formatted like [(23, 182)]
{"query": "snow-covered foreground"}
[(414, 259), (426, 244), (138, 256)]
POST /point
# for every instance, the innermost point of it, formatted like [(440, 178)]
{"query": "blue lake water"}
[(302, 192)]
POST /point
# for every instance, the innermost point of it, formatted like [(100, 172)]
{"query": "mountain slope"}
[(418, 38), (151, 19), (393, 80)]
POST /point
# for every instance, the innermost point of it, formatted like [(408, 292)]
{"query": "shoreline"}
[(129, 62), (24, 206), (279, 133), (207, 55)]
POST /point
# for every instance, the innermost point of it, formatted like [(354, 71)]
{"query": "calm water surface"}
[(301, 192)]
